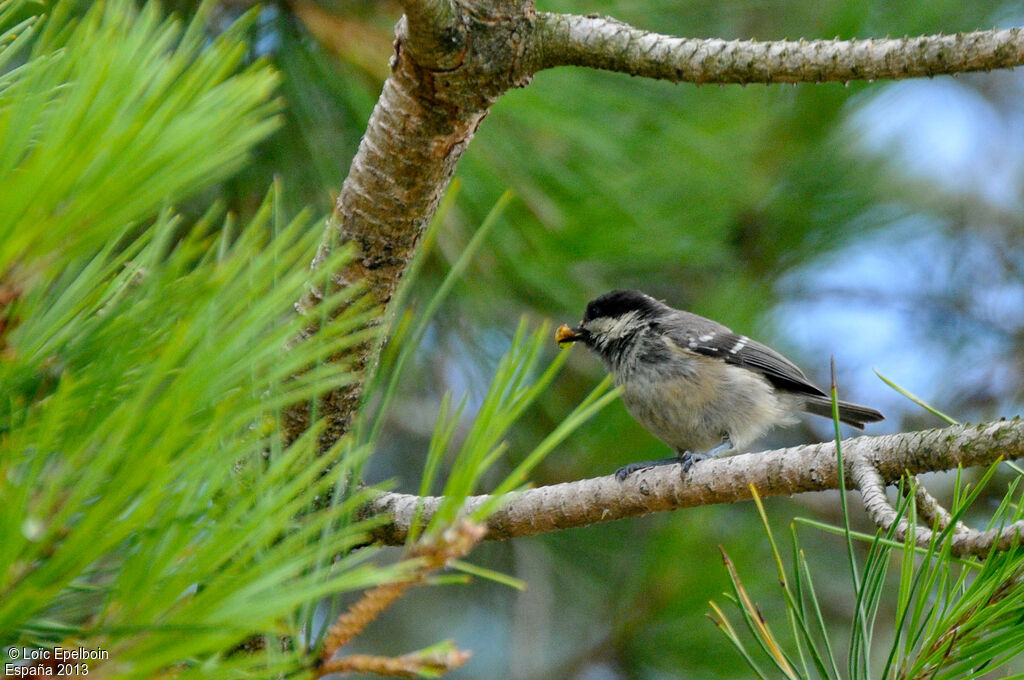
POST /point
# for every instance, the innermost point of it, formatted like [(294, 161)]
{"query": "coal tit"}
[(692, 382)]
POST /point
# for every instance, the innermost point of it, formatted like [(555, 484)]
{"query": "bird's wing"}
[(717, 341)]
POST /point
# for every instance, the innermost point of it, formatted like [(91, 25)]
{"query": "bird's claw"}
[(627, 470), (688, 459)]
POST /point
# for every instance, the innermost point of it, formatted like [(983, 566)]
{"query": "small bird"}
[(692, 382)]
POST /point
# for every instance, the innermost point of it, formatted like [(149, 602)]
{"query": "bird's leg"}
[(719, 449)]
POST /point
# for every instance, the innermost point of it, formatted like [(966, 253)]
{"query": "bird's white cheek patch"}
[(613, 329)]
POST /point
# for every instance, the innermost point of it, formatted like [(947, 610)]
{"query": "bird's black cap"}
[(618, 302)]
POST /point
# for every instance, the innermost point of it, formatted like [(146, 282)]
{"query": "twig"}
[(435, 553)]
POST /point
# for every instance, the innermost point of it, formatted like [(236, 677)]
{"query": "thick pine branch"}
[(442, 85), (405, 161), (723, 480)]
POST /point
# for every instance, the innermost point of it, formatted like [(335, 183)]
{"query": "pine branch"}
[(599, 42), (723, 480), (415, 665)]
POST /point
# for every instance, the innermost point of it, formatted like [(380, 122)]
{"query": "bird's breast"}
[(691, 402)]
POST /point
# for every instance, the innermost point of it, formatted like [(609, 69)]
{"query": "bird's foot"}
[(688, 459)]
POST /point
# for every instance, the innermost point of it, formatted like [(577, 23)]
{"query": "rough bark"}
[(449, 66)]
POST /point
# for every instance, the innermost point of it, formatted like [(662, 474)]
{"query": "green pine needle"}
[(111, 116), (917, 400)]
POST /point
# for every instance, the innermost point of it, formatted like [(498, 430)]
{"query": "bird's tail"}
[(851, 414)]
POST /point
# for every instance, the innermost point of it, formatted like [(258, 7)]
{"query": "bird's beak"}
[(564, 335)]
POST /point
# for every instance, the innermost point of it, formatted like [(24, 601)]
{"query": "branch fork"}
[(965, 541)]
